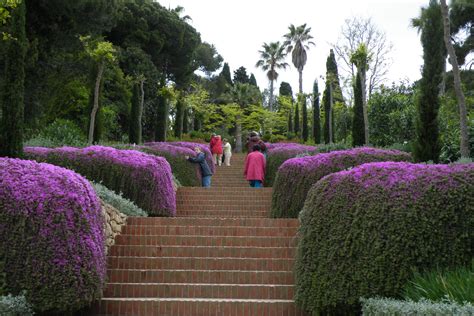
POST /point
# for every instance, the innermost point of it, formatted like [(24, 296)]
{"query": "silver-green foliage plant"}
[(392, 307), (122, 204), (15, 306)]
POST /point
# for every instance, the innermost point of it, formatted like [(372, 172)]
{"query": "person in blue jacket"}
[(206, 172)]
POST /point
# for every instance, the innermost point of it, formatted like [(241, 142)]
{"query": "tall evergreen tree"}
[(316, 114), (240, 76), (253, 81), (297, 119), (225, 73), (12, 92), (361, 59), (358, 133), (162, 111), (186, 120), (178, 123), (426, 146), (304, 110), (285, 90), (331, 95), (135, 134)]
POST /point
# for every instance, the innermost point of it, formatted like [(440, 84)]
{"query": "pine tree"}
[(358, 131), (12, 97), (240, 76), (426, 146), (316, 114), (135, 126), (304, 110)]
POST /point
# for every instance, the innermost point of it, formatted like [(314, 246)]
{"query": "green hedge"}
[(121, 203), (364, 230), (296, 176)]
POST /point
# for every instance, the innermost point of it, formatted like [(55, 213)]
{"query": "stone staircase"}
[(221, 255)]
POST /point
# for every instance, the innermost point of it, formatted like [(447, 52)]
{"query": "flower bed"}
[(187, 173), (51, 235), (296, 176), (364, 230), (142, 178)]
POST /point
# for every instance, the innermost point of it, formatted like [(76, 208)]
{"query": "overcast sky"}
[(238, 28)]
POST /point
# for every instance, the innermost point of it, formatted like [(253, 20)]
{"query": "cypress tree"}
[(13, 89), (426, 146), (162, 111), (285, 89), (305, 118), (316, 114), (332, 76), (253, 81), (358, 131), (135, 126), (297, 120), (225, 73), (290, 121), (327, 110), (186, 121), (240, 76), (178, 123)]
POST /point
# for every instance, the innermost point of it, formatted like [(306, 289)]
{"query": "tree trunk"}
[(457, 81), (270, 102), (364, 105), (331, 101), (300, 72), (238, 135), (95, 107)]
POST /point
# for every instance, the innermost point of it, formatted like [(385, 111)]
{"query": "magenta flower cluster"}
[(364, 230), (296, 175), (142, 178), (51, 235)]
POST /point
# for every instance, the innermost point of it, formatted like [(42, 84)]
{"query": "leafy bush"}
[(392, 307), (59, 133), (296, 176), (363, 231), (187, 173), (457, 285), (144, 179), (51, 235), (15, 306), (122, 204)]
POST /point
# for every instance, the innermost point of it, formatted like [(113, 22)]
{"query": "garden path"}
[(221, 255)]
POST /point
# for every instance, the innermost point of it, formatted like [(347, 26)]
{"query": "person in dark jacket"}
[(206, 172)]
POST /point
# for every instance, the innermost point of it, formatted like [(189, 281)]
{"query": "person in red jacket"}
[(216, 149), (255, 167)]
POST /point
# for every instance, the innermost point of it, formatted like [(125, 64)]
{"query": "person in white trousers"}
[(227, 152)]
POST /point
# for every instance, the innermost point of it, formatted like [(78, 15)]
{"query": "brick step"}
[(200, 276), (220, 222), (223, 200), (215, 192), (202, 251), (198, 290), (195, 307), (214, 202), (183, 263), (190, 190), (209, 230), (229, 241), (222, 214), (222, 207)]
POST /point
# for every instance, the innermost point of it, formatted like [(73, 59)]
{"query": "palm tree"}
[(298, 41), (272, 57)]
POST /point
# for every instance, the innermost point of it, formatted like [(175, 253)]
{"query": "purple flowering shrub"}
[(278, 153), (51, 235), (142, 178), (364, 230), (187, 173), (296, 175)]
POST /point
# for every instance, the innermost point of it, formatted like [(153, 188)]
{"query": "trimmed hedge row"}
[(51, 235), (364, 230), (142, 178), (187, 173), (296, 176)]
